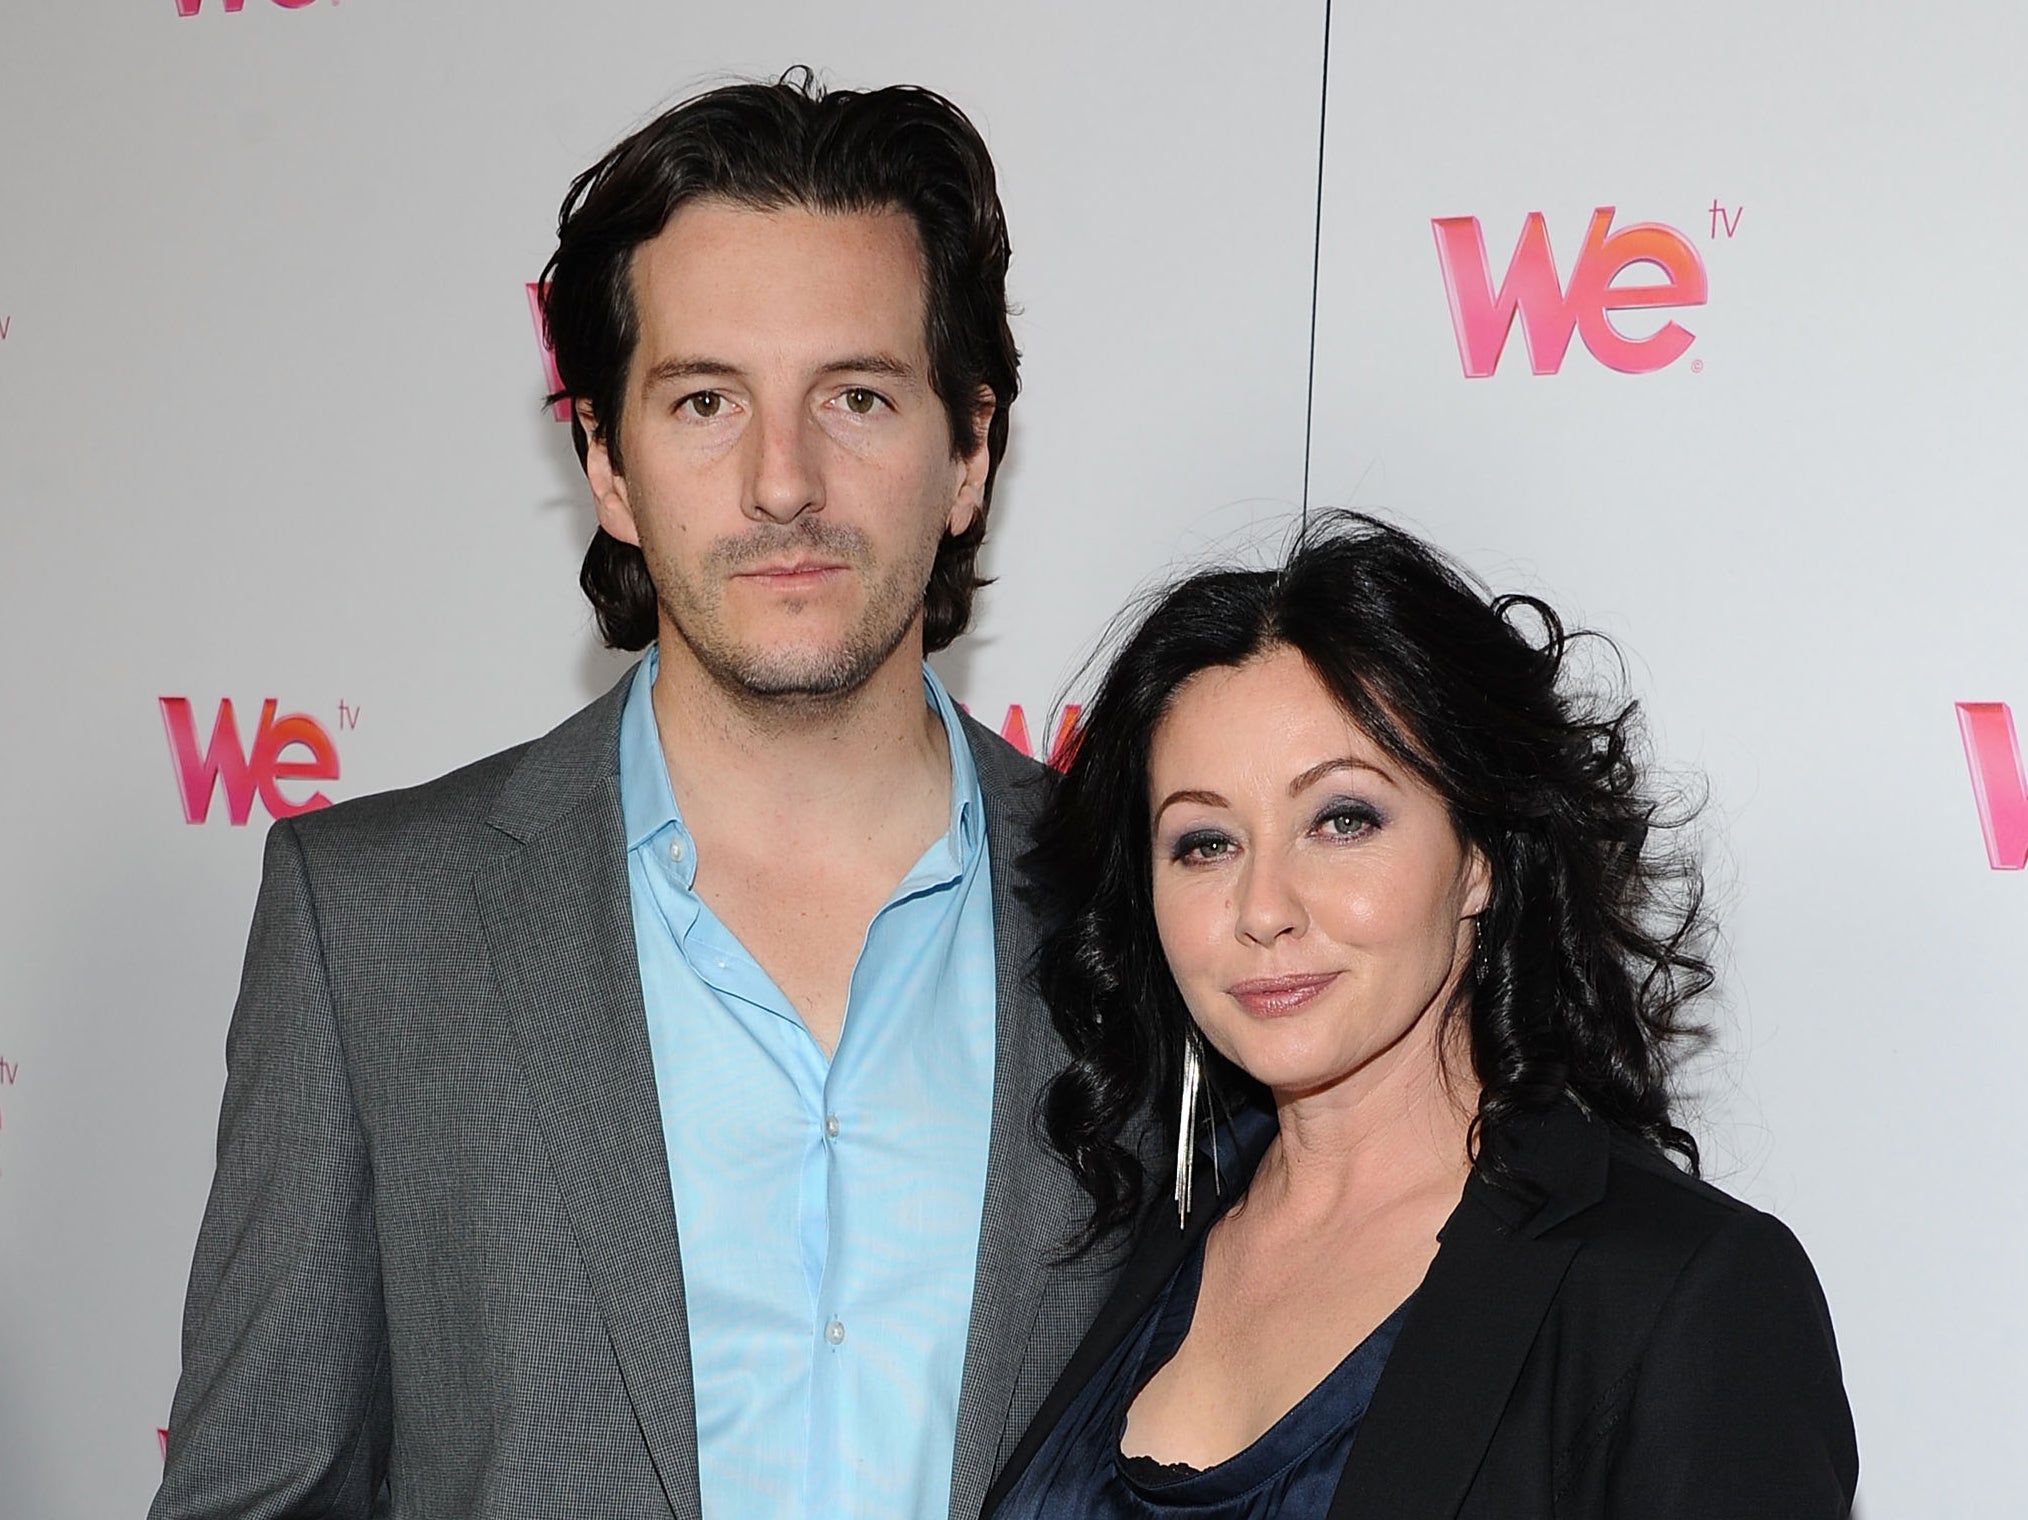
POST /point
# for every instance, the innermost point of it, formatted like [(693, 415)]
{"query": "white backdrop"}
[(1806, 530), (270, 429)]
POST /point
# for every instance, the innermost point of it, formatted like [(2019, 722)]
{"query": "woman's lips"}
[(1272, 996)]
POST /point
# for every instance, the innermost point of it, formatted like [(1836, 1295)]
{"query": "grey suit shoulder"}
[(441, 1189)]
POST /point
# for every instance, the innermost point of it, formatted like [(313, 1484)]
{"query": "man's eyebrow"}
[(871, 364), (682, 367), (679, 368), (1318, 772)]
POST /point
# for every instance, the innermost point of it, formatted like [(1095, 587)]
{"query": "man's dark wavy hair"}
[(771, 146), (1593, 937)]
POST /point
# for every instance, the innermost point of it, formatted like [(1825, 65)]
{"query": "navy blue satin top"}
[(1290, 1473)]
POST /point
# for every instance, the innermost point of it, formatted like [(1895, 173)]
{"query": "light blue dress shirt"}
[(827, 1211)]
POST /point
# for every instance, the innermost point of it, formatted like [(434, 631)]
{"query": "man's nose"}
[(787, 478)]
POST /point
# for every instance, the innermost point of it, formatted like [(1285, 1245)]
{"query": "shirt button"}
[(675, 849), (835, 1333), (831, 1125)]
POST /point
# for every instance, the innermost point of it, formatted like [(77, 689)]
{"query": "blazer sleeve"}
[(283, 1408), (1739, 1410)]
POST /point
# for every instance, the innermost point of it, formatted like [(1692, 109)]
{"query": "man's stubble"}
[(759, 675)]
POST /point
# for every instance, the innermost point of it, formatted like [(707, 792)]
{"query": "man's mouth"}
[(796, 572)]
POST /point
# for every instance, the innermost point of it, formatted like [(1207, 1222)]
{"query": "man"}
[(732, 958)]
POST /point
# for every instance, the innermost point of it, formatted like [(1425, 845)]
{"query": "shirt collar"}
[(648, 803), (967, 830)]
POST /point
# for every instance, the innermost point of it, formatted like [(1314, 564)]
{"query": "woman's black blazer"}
[(1626, 1342)]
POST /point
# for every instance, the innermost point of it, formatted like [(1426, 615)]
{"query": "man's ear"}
[(609, 486), (974, 465)]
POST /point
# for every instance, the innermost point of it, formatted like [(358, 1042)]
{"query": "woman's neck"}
[(1397, 1128)]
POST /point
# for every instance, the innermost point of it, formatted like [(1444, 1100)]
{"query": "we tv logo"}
[(1062, 743), (192, 7), (537, 294), (293, 747), (1551, 310), (1999, 787), (1014, 729)]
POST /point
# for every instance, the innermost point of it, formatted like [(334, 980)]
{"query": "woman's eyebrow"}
[(1318, 772), (1209, 799)]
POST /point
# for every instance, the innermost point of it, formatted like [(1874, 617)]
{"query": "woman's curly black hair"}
[(1593, 938)]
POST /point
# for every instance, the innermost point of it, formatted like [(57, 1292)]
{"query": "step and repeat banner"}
[(1707, 324), (1704, 326)]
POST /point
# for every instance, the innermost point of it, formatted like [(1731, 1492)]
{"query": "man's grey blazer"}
[(438, 1273)]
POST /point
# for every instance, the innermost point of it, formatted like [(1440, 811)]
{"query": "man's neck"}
[(806, 816), (852, 760)]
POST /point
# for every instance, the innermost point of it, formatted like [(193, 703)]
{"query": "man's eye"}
[(704, 404), (860, 401)]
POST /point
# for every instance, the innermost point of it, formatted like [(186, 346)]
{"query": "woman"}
[(1351, 887)]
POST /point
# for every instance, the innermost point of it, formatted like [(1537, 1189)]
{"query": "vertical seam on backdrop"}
[(1316, 260)]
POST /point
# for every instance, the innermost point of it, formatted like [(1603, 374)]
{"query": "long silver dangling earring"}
[(1186, 1127)]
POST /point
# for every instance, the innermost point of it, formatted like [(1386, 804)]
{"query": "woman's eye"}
[(1200, 847), (1347, 822), (860, 401), (704, 404)]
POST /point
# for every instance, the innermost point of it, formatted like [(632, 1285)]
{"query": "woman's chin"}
[(1293, 1075)]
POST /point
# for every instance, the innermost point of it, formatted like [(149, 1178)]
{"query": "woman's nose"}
[(1270, 901)]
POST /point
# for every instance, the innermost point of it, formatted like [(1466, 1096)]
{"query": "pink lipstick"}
[(1270, 997)]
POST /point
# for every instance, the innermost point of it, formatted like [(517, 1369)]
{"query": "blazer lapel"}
[(1030, 1305), (1031, 1200), (558, 924), (1475, 1317)]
